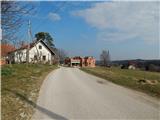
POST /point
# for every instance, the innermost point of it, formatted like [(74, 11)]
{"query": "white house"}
[(38, 52)]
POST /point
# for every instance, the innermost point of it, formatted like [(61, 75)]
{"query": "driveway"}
[(69, 93)]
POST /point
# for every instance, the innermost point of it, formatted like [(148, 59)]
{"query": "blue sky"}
[(129, 30)]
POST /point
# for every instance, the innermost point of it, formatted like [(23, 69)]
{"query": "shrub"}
[(6, 71)]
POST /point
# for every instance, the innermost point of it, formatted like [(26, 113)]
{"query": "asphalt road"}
[(69, 93)]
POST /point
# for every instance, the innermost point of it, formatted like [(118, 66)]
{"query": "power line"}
[(23, 35), (43, 22)]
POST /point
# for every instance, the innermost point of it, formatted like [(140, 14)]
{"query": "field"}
[(20, 85), (148, 82)]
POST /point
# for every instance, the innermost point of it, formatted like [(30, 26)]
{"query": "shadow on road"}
[(43, 110)]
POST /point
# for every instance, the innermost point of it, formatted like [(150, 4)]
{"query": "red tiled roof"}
[(25, 46), (6, 48)]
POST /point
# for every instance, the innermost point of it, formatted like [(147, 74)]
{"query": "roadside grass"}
[(20, 85), (148, 82)]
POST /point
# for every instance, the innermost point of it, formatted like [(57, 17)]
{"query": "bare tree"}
[(105, 58), (19, 55), (12, 19), (62, 54), (37, 57)]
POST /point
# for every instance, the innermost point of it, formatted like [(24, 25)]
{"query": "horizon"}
[(129, 30)]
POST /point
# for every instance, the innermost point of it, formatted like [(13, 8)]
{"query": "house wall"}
[(79, 61), (42, 52), (20, 56), (75, 62), (89, 62)]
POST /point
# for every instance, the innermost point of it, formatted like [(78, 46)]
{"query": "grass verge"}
[(20, 85), (148, 82)]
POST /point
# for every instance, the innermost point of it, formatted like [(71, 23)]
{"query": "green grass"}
[(129, 78), (20, 85)]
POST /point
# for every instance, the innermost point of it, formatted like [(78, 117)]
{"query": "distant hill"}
[(148, 65), (138, 61)]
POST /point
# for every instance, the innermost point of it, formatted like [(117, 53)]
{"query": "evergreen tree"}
[(46, 37)]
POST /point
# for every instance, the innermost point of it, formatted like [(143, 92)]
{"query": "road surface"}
[(69, 93)]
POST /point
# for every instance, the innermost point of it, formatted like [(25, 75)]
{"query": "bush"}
[(7, 71), (153, 68)]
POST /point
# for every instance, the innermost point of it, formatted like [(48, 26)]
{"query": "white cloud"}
[(54, 16), (128, 19)]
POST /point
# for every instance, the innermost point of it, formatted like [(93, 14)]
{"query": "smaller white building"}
[(132, 67), (35, 52)]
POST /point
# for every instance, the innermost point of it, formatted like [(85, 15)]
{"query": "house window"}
[(35, 57), (44, 57), (40, 47)]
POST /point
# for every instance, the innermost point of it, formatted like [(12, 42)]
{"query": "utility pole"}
[(30, 39)]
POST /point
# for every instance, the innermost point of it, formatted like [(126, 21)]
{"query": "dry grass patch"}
[(148, 82), (20, 87)]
